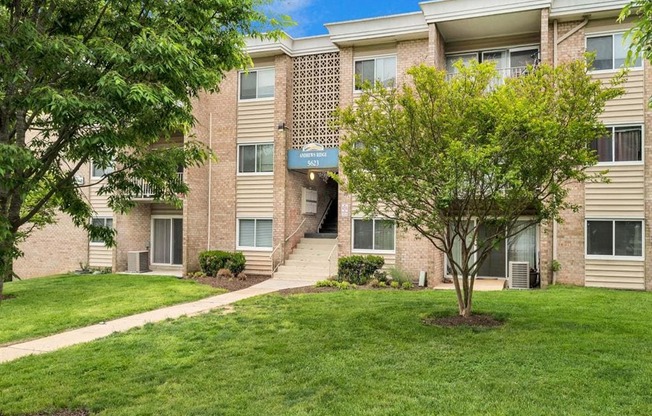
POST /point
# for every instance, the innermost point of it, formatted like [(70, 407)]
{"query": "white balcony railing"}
[(503, 73), (146, 191)]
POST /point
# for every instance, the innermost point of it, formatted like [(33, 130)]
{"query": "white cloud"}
[(298, 10)]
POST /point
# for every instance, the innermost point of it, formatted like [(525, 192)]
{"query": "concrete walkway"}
[(93, 332)]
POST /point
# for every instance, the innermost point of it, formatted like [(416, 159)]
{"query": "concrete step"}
[(322, 235), (308, 268), (306, 262), (301, 276), (318, 241), (304, 253)]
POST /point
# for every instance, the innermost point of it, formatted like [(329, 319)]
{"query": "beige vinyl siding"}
[(165, 209), (615, 274), (255, 121), (622, 197), (100, 256), (629, 107), (258, 262), (255, 196), (474, 45)]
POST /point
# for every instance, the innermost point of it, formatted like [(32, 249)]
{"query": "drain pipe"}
[(210, 179)]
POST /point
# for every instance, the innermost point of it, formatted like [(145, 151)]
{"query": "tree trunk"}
[(6, 264)]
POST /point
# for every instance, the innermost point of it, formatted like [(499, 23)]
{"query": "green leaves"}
[(444, 153)]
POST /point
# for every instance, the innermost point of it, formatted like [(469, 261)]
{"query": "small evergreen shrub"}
[(358, 269), (395, 285), (213, 260), (407, 285)]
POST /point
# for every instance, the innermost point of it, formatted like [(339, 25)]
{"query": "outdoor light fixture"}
[(311, 175), (281, 126)]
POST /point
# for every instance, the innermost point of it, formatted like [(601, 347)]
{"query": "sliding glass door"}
[(167, 241)]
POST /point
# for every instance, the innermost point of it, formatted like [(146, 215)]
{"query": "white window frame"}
[(108, 170), (613, 57), (237, 167), (373, 236), (374, 58), (104, 218), (588, 256), (261, 69), (151, 240), (612, 127), (252, 248), (537, 243)]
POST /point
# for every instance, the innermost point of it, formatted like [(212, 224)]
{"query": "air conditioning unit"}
[(138, 261), (519, 275)]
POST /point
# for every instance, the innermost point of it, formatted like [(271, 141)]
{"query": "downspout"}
[(210, 179)]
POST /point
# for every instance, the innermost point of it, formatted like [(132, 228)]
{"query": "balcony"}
[(146, 192), (503, 73)]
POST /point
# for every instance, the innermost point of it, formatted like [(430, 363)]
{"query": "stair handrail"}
[(330, 267), (323, 216), (271, 256)]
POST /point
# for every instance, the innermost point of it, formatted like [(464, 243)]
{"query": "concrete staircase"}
[(309, 260)]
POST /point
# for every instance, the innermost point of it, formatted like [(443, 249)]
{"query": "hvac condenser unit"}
[(519, 275), (138, 261)]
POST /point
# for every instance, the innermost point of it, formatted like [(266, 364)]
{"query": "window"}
[(100, 172), (610, 51), (375, 69), (256, 158), (614, 238), (509, 62), (373, 235), (101, 222), (257, 84), (520, 247), (622, 144), (255, 233)]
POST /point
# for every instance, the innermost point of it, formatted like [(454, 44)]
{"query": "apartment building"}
[(271, 129)]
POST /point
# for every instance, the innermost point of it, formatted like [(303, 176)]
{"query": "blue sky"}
[(310, 15)]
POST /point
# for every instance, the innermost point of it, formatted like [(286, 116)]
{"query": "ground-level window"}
[(256, 158), (167, 241), (255, 233), (614, 238), (257, 83), (520, 247), (373, 235), (382, 69), (106, 222), (621, 144)]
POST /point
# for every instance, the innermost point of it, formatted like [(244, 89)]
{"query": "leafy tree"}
[(443, 155), (640, 35), (101, 81)]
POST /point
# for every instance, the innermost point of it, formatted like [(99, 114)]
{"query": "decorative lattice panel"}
[(315, 96)]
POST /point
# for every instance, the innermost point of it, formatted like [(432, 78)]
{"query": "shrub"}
[(380, 275), (224, 273), (358, 269), (398, 275), (382, 284), (242, 276), (395, 285), (373, 283), (213, 260), (326, 283), (407, 285)]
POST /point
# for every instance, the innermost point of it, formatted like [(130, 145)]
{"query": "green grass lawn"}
[(563, 351), (49, 305)]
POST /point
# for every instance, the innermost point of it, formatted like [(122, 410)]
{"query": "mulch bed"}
[(232, 284), (481, 321), (313, 289)]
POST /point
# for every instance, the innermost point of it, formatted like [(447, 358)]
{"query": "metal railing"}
[(332, 260), (282, 244), (503, 73), (146, 190), (323, 216)]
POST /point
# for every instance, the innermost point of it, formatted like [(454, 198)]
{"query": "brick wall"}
[(436, 47), (133, 233), (282, 114), (57, 248)]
